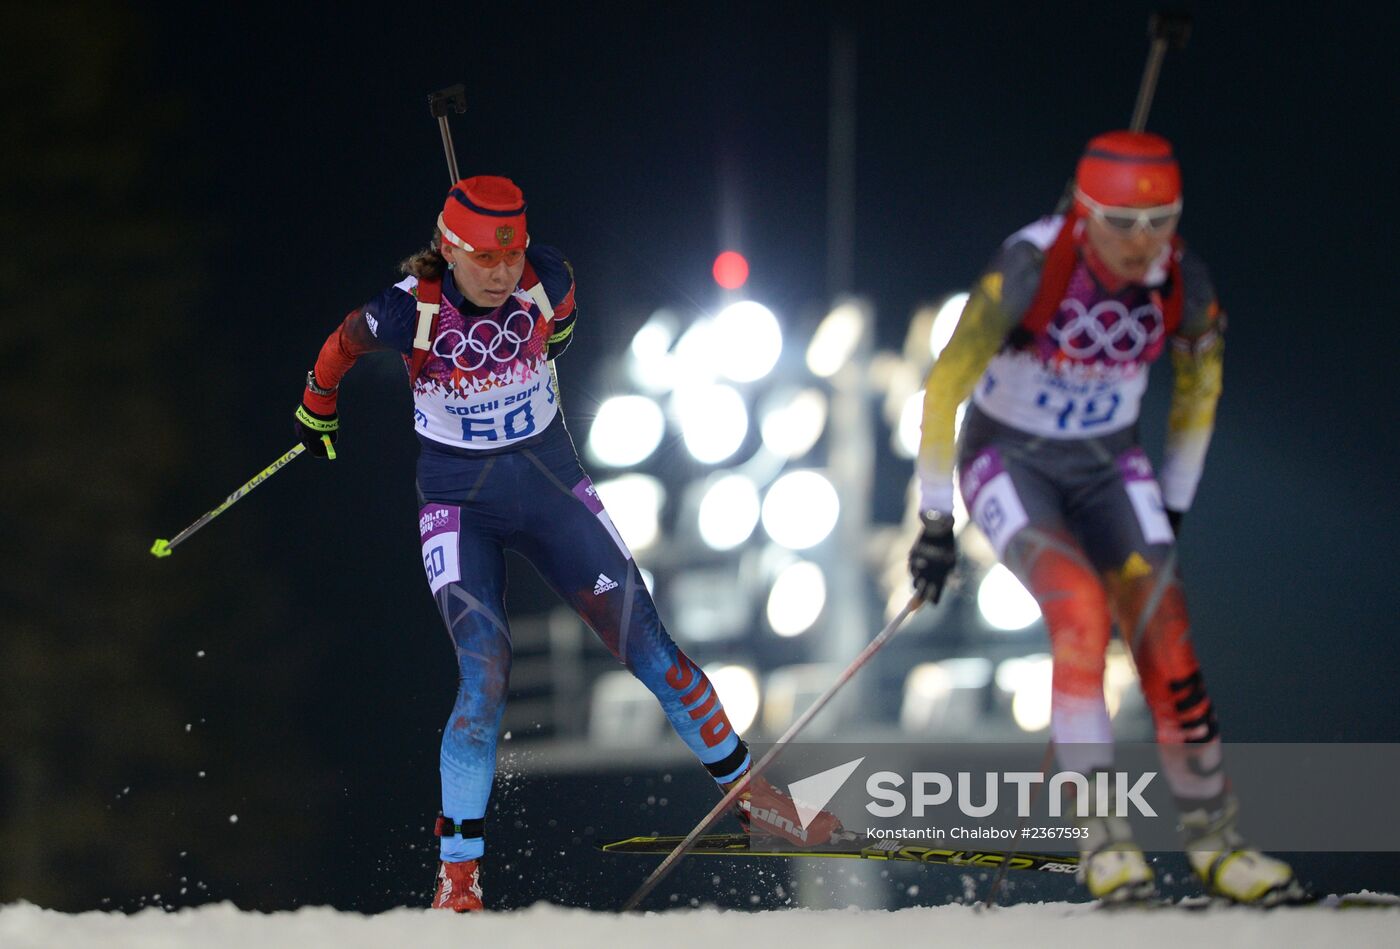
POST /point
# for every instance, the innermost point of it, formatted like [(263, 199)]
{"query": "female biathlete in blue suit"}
[(497, 470)]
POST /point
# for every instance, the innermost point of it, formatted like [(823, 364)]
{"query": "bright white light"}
[(1004, 603), (835, 340), (755, 340), (698, 355), (800, 509), (911, 426), (713, 421), (945, 322), (932, 699), (791, 428), (1028, 679), (655, 337), (1031, 707), (797, 598), (968, 672), (626, 431), (633, 501), (650, 363), (927, 689), (737, 688), (728, 512), (909, 435), (1119, 676)]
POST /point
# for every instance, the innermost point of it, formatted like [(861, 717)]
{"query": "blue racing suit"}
[(497, 470)]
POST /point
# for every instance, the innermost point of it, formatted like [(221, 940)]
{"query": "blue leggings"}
[(536, 500)]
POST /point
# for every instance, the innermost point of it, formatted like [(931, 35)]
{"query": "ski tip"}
[(161, 548), (1364, 899)]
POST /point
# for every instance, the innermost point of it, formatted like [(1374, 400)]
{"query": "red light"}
[(731, 270)]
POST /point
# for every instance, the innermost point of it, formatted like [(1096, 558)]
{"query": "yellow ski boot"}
[(1228, 866), (1111, 865)]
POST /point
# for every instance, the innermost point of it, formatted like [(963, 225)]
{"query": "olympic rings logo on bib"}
[(486, 339), (1108, 328)]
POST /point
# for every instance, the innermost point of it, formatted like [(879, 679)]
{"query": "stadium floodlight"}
[(698, 355), (911, 426), (910, 431), (622, 712), (928, 687), (945, 322), (835, 340), (1118, 677), (737, 688), (752, 340), (728, 512), (710, 603), (713, 419), (800, 509), (793, 421), (797, 598), (633, 502), (1028, 680), (626, 430), (650, 363), (1004, 603), (945, 697)]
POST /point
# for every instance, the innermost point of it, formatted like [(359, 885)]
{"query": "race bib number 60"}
[(438, 527)]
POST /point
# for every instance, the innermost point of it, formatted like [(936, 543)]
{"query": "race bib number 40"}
[(1146, 497), (992, 500), (438, 527)]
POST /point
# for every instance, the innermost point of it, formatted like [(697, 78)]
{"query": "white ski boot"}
[(1228, 866), (1111, 865)]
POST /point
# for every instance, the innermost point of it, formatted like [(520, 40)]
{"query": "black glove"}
[(310, 426), (316, 420), (933, 555), (1174, 519)]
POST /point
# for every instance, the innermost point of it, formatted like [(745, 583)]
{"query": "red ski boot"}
[(458, 886), (766, 811)]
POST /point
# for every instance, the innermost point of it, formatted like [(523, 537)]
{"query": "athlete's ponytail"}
[(428, 263)]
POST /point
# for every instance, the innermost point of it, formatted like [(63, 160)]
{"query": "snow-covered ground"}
[(1034, 926)]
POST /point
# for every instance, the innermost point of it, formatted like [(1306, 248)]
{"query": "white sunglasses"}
[(1129, 220)]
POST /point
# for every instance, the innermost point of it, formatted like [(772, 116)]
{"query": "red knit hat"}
[(484, 213), (1129, 169)]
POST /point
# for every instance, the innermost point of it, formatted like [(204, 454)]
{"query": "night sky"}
[(296, 151)]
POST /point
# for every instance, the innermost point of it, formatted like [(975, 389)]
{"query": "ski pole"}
[(720, 809), (164, 548), (1045, 762)]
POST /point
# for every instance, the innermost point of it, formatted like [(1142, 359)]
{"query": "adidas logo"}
[(373, 325), (603, 585)]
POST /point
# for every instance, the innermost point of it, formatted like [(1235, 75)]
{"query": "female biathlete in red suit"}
[(1054, 348)]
